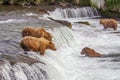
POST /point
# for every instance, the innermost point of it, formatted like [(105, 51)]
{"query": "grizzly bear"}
[(40, 32), (30, 43), (109, 23), (29, 31), (90, 52)]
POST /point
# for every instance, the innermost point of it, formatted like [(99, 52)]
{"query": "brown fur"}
[(29, 31), (30, 43), (90, 52), (109, 23), (40, 32)]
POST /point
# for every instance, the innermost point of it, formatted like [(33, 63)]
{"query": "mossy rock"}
[(86, 23)]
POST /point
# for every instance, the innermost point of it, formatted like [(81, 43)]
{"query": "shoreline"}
[(44, 8)]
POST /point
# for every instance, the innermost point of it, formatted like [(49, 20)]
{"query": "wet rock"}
[(14, 59), (9, 58), (90, 52), (27, 59), (9, 46), (98, 3), (63, 22), (2, 62), (62, 4), (86, 23), (43, 11)]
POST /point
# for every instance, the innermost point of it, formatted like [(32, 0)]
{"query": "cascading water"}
[(66, 63), (37, 71), (83, 12)]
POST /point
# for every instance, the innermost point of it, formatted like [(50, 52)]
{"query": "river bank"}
[(42, 9)]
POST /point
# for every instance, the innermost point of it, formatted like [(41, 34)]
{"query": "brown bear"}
[(109, 23), (29, 31), (30, 43), (90, 52), (40, 32)]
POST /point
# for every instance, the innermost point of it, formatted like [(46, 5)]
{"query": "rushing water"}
[(83, 12), (66, 63)]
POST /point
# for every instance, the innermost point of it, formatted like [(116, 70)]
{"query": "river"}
[(66, 63)]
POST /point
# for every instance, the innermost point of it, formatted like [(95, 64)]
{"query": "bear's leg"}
[(105, 27), (25, 47), (115, 28), (42, 52)]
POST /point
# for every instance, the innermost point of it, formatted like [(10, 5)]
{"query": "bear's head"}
[(102, 21), (90, 52), (48, 36), (51, 46), (42, 33), (28, 31), (87, 51), (84, 50)]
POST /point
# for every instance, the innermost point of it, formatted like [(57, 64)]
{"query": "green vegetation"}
[(111, 4), (84, 2), (110, 14), (37, 2), (111, 9)]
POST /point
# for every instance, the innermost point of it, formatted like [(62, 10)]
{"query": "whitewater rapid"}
[(66, 63)]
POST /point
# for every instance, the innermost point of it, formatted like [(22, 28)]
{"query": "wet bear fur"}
[(109, 23), (30, 43), (36, 32)]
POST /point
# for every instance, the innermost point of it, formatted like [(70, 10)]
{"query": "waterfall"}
[(11, 68), (22, 71), (67, 62), (63, 37), (59, 13)]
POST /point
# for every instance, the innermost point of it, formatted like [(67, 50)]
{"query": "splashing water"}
[(85, 12), (66, 63)]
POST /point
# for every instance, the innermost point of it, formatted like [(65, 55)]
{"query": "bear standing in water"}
[(90, 52), (36, 32), (30, 43), (109, 23)]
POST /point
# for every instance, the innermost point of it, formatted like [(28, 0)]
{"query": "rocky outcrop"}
[(63, 22), (90, 52), (14, 59), (62, 4), (86, 23), (98, 3)]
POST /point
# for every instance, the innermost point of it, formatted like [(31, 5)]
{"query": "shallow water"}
[(66, 63)]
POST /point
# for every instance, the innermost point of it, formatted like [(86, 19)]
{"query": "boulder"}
[(14, 59), (85, 22), (63, 22)]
